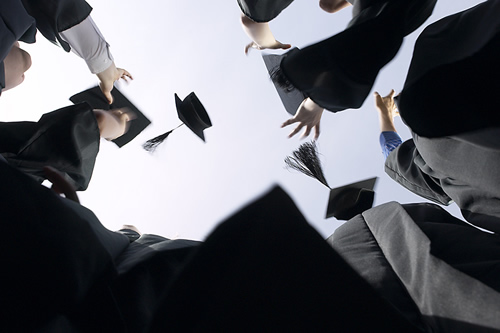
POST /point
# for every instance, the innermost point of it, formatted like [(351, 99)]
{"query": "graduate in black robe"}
[(453, 155), (63, 22), (452, 84), (339, 72), (264, 268)]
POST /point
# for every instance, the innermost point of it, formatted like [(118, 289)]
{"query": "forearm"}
[(386, 122), (260, 33), (87, 42)]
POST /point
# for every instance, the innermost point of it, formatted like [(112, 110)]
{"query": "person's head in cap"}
[(16, 63)]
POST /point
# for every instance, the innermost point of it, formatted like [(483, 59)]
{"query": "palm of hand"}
[(309, 116)]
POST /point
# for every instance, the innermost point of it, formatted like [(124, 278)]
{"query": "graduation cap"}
[(344, 202), (290, 96), (192, 114), (97, 100)]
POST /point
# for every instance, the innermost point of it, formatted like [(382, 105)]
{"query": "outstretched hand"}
[(386, 104), (59, 183), (274, 46), (308, 115), (108, 77)]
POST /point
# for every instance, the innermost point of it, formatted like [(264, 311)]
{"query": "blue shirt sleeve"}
[(389, 141)]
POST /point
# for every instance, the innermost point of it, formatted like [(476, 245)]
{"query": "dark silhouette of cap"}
[(193, 114), (97, 100), (347, 201), (290, 96)]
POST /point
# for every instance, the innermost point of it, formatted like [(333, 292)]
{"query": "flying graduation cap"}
[(290, 96), (344, 202), (97, 100), (192, 114)]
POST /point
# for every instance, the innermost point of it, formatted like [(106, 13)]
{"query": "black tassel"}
[(305, 159), (153, 143)]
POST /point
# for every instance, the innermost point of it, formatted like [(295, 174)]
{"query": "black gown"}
[(453, 82), (15, 24), (66, 139), (54, 16), (339, 72), (263, 10)]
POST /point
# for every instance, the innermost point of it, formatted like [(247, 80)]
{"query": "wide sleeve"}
[(404, 165), (55, 16)]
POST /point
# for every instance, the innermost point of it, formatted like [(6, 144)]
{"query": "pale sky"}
[(187, 187)]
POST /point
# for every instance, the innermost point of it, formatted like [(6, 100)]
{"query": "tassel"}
[(305, 159), (153, 143)]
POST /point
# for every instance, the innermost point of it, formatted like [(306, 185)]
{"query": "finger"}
[(296, 130), (316, 132), (306, 132), (126, 74), (289, 122), (248, 46), (286, 46), (391, 94)]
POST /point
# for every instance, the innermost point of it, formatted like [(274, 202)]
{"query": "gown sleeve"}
[(404, 165)]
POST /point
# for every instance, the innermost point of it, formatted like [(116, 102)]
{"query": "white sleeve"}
[(88, 43)]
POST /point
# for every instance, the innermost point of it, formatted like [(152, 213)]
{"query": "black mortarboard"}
[(290, 96), (97, 100), (192, 113), (345, 202)]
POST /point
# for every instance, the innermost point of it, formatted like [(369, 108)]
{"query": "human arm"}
[(308, 115), (260, 34), (88, 43), (387, 110)]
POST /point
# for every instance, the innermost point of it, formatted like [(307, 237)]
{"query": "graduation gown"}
[(264, 267), (420, 257), (66, 139), (452, 84), (339, 72), (15, 24), (263, 10), (54, 16), (462, 168)]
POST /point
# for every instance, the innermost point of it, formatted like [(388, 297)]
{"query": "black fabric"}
[(448, 268), (263, 10), (267, 269), (51, 255), (66, 139), (15, 24), (452, 85), (464, 247), (356, 244), (339, 72), (54, 16)]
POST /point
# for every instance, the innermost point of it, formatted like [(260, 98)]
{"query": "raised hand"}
[(108, 77), (309, 116)]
